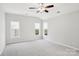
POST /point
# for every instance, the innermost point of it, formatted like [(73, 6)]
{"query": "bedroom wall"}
[(64, 29), (27, 32), (2, 29)]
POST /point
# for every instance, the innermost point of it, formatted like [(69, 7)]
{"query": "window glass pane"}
[(37, 28), (37, 25), (14, 25), (45, 25), (15, 29), (45, 28)]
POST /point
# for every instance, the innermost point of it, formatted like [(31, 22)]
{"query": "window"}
[(15, 29), (45, 28), (37, 28)]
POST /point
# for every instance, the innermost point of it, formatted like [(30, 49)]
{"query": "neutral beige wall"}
[(26, 27), (64, 29), (2, 30)]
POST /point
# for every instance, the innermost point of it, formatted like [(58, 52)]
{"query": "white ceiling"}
[(22, 8)]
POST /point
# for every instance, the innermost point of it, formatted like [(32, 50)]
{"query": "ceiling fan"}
[(42, 8)]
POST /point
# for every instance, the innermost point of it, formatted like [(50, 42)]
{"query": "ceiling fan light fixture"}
[(42, 8)]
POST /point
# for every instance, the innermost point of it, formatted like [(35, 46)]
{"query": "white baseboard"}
[(62, 44)]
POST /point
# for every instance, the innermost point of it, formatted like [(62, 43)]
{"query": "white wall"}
[(64, 29), (2, 30), (27, 31)]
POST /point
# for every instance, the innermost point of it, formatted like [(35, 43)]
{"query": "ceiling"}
[(22, 8)]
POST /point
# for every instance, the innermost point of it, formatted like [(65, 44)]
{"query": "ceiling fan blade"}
[(46, 11), (32, 8), (38, 11), (50, 6)]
